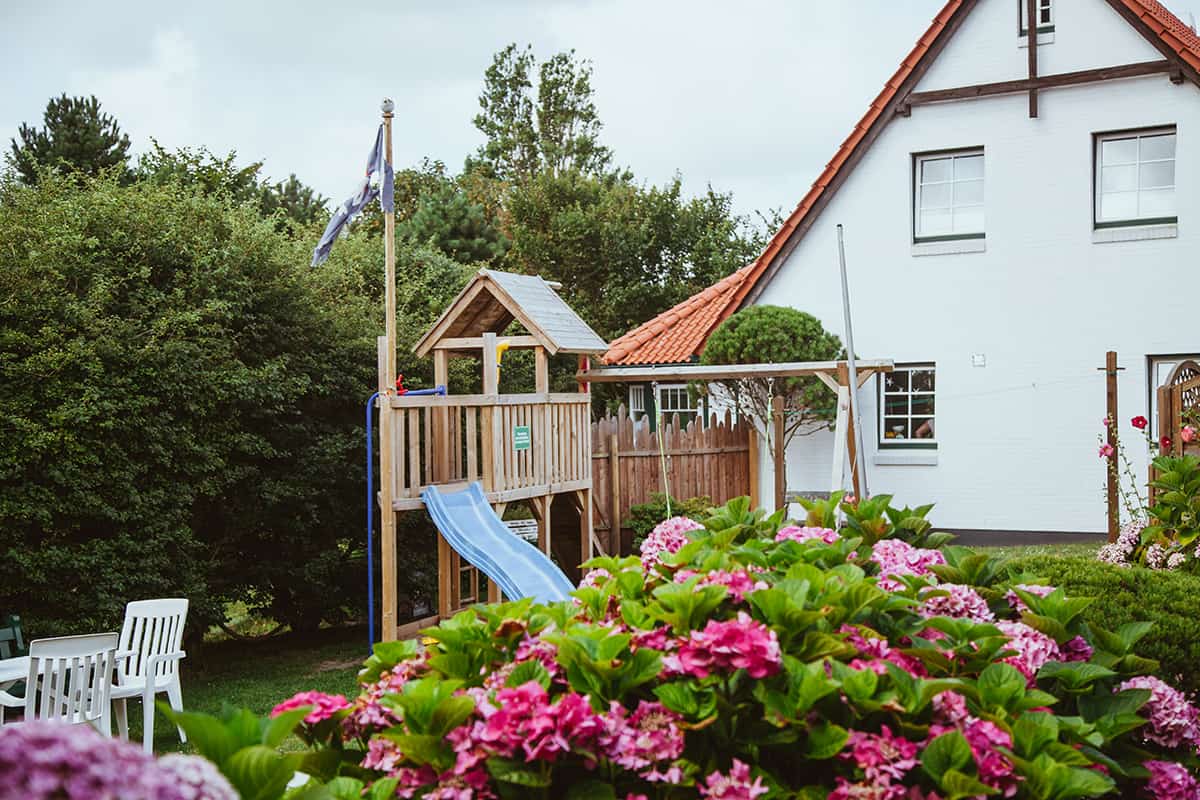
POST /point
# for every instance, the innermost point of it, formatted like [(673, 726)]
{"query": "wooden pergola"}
[(834, 374)]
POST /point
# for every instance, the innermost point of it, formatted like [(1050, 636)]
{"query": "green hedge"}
[(1171, 600)]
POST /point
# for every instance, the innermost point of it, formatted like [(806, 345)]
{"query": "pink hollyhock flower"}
[(738, 582), (897, 557), (734, 786), (1174, 722), (881, 756), (1170, 780), (807, 534), (667, 537), (741, 643), (324, 705), (961, 602), (1033, 647), (1188, 433), (1017, 603), (1105, 450)]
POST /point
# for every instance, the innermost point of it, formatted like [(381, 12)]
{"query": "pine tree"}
[(77, 137)]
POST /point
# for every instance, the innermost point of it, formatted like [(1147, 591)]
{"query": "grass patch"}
[(258, 675), (1042, 550)]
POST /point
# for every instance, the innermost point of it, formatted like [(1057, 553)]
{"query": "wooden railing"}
[(517, 446)]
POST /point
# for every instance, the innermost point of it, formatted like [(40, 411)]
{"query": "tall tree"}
[(76, 136), (298, 202), (558, 133)]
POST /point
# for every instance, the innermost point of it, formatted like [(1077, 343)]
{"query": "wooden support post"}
[(387, 517), (778, 422), (585, 365), (1110, 396), (837, 480), (1031, 28), (851, 436), (448, 563), (752, 456), (614, 484), (494, 433)]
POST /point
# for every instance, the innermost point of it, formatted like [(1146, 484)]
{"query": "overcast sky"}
[(752, 97)]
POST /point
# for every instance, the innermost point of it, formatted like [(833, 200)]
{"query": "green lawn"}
[(260, 674), (1059, 550)]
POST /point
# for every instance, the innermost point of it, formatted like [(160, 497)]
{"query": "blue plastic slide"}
[(478, 535)]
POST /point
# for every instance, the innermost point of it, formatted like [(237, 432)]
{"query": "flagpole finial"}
[(387, 106)]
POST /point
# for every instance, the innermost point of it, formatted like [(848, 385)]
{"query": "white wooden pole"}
[(837, 480)]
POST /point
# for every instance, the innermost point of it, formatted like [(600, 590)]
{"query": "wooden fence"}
[(712, 461)]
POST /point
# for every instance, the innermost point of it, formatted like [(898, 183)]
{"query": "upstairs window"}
[(1135, 178), (906, 407), (1045, 13), (948, 196)]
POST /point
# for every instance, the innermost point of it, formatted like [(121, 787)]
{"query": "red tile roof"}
[(710, 307), (678, 334)]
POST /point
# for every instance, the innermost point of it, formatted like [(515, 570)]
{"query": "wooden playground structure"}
[(532, 447)]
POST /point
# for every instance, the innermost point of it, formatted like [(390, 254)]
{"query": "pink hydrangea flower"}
[(877, 651), (739, 582), (324, 705), (1077, 649), (868, 790), (1033, 647), (741, 643), (807, 534), (643, 741), (897, 557), (667, 537), (531, 648), (594, 578), (961, 602), (950, 708), (368, 714), (734, 786), (1170, 780), (1174, 722), (383, 755), (1017, 603), (995, 769), (883, 757)]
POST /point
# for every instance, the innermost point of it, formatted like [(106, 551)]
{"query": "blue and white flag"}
[(367, 191)]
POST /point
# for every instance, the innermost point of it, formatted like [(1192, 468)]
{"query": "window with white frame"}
[(637, 401), (1135, 178), (906, 407), (948, 196), (674, 398), (1045, 16)]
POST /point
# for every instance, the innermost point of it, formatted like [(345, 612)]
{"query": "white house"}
[(1010, 214)]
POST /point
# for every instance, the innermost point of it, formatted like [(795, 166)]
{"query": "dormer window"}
[(1045, 16)]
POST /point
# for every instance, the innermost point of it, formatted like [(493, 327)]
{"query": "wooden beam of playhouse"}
[(453, 400), (722, 372), (476, 342)]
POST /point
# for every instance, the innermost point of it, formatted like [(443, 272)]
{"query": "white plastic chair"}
[(70, 678), (148, 662)]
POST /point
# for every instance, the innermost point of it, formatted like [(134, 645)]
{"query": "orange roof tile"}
[(688, 324), (678, 334)]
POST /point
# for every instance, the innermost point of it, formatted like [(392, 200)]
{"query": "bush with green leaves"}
[(753, 658), (183, 403), (645, 517), (1130, 594)]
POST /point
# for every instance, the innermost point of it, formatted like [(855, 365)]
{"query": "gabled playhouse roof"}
[(1166, 32), (492, 300)]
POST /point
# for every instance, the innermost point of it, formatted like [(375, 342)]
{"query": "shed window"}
[(674, 398), (1135, 178), (637, 401)]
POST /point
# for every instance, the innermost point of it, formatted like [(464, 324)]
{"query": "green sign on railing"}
[(521, 437)]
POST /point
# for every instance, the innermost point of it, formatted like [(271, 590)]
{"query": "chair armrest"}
[(154, 661)]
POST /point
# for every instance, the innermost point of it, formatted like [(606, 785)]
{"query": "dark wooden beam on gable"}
[(1099, 75), (893, 109), (1151, 36), (1031, 34)]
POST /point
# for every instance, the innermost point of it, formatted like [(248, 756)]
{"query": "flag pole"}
[(389, 253), (387, 389)]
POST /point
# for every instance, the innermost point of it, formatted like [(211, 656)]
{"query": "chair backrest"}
[(70, 678), (12, 643), (152, 628)]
